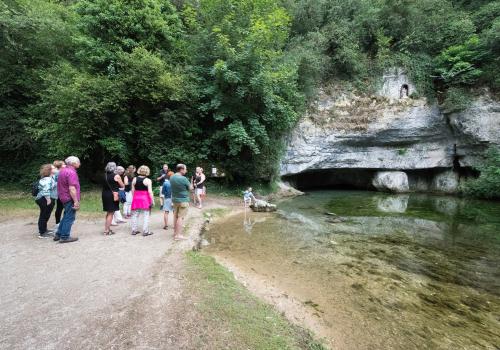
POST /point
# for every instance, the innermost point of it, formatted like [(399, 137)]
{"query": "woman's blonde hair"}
[(58, 163), (45, 170), (143, 170)]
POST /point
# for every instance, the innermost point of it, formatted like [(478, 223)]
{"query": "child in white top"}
[(248, 197)]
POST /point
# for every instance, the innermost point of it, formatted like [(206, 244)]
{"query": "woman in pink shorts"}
[(142, 200)]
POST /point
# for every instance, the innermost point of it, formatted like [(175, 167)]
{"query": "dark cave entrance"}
[(419, 180)]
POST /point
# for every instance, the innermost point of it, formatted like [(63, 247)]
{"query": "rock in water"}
[(263, 206), (446, 182), (391, 181)]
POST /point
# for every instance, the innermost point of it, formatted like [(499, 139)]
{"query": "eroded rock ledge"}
[(347, 139)]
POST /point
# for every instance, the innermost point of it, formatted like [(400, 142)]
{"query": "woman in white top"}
[(199, 184), (46, 198)]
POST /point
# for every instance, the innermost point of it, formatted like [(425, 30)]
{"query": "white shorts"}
[(167, 205), (199, 191)]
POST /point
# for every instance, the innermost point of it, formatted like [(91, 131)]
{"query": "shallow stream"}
[(376, 271)]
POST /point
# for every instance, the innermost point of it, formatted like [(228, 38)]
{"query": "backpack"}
[(35, 188)]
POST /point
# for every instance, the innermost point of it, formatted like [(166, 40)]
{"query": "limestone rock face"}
[(408, 134), (284, 191), (396, 84), (475, 128), (445, 182), (365, 134), (391, 181)]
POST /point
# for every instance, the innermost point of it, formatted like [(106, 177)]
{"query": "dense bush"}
[(487, 185), (214, 81)]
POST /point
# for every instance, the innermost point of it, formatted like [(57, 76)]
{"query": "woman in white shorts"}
[(199, 184)]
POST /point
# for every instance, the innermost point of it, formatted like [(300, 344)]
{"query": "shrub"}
[(487, 185), (457, 99)]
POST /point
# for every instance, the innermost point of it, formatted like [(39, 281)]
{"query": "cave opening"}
[(419, 180), (404, 92), (360, 179)]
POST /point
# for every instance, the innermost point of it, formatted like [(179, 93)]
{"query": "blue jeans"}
[(67, 221)]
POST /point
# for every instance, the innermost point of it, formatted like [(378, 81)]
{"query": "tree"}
[(33, 36), (249, 95)]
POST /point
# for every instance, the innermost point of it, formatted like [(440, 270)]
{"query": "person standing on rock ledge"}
[(68, 189), (180, 187)]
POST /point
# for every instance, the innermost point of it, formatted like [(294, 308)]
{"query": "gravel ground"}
[(102, 292)]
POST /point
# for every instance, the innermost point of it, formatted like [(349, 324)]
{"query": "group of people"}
[(135, 190), (59, 186)]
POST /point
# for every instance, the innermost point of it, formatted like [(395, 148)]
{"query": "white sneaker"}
[(55, 228)]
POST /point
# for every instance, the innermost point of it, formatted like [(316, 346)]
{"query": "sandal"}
[(165, 227), (111, 232)]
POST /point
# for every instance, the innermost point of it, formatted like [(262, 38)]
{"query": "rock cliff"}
[(346, 139)]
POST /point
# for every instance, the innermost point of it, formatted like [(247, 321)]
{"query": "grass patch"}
[(223, 189), (235, 319), (14, 202)]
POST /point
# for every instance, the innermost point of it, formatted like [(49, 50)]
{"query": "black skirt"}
[(108, 203)]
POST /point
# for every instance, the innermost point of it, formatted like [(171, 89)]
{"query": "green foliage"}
[(33, 35), (458, 64), (110, 27), (249, 88), (214, 81), (456, 99), (362, 38), (487, 185)]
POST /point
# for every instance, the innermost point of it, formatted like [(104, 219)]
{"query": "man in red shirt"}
[(68, 189)]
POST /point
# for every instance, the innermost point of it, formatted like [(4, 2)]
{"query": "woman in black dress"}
[(110, 202)]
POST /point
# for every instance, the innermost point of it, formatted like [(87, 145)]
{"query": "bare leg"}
[(107, 222), (135, 219), (198, 198), (165, 218), (178, 229)]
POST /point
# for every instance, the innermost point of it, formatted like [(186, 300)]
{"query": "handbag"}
[(123, 196), (116, 198)]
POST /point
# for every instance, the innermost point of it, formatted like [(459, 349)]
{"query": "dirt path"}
[(112, 292)]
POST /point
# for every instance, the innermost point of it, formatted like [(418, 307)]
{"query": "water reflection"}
[(248, 222), (393, 204), (417, 271)]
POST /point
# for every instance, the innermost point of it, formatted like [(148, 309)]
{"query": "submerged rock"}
[(263, 206), (336, 220)]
